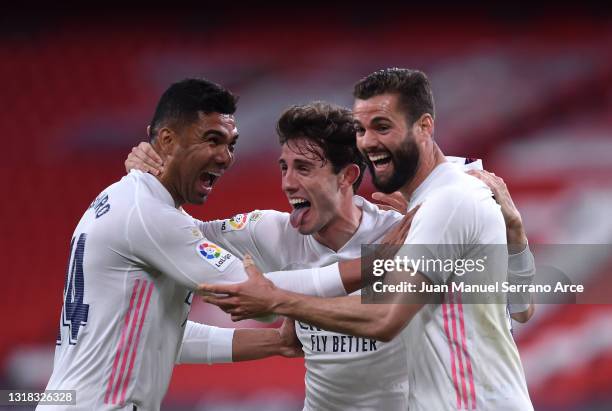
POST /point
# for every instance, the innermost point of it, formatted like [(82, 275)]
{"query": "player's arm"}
[(167, 241), (256, 233), (205, 344), (254, 344), (521, 271), (338, 278), (230, 233), (521, 263), (347, 314)]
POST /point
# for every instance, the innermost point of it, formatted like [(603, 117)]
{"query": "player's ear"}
[(350, 174), (424, 126), (165, 141)]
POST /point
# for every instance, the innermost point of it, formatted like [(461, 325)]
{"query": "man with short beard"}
[(460, 356)]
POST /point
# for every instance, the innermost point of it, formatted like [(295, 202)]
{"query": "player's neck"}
[(429, 161), (167, 183), (168, 177), (342, 227)]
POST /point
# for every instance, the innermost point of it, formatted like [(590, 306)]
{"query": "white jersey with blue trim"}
[(134, 259), (461, 356), (342, 372)]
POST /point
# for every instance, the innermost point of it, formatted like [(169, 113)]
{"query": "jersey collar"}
[(157, 188)]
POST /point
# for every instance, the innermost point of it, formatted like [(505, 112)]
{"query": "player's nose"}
[(367, 141), (224, 157), (289, 183)]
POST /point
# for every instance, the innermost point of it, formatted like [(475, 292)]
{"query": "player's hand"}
[(515, 231), (394, 201), (291, 346), (252, 298), (390, 244), (399, 232), (144, 158)]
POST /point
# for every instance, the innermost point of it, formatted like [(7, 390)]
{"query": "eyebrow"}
[(217, 133), (298, 161), (378, 119), (306, 162)]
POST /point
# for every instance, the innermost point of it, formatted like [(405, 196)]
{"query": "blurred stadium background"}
[(531, 95)]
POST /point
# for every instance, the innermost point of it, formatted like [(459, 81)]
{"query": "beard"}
[(405, 162)]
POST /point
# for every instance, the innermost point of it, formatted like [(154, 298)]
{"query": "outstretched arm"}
[(521, 264), (254, 344), (342, 314), (205, 344)]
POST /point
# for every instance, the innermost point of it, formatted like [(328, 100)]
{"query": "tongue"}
[(297, 215)]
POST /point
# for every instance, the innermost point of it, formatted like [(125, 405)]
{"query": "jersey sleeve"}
[(257, 233), (205, 344), (170, 243), (230, 233)]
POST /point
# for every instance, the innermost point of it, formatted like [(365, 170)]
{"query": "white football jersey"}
[(461, 356), (134, 259), (342, 372)]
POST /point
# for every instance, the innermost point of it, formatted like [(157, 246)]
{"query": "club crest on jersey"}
[(255, 215), (237, 222), (214, 255)]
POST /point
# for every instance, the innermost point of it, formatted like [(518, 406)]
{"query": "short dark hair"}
[(182, 101), (327, 126), (412, 86)]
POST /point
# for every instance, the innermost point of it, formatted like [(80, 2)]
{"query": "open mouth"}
[(297, 203), (380, 159), (208, 178), (300, 208)]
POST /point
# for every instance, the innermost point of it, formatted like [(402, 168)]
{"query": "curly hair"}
[(326, 126)]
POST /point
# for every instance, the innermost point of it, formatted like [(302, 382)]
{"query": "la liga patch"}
[(214, 255), (237, 222)]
